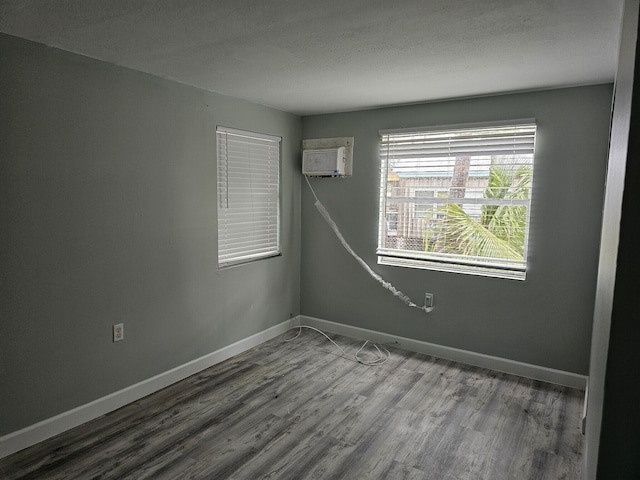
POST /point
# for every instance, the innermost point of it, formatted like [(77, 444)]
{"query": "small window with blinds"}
[(248, 196), (457, 199)]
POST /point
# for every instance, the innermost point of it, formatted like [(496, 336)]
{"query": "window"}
[(248, 196), (457, 198)]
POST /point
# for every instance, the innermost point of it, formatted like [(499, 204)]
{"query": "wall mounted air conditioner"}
[(324, 162)]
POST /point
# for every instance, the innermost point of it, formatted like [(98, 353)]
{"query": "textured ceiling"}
[(317, 56)]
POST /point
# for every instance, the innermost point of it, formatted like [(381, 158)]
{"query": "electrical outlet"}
[(428, 300), (118, 332)]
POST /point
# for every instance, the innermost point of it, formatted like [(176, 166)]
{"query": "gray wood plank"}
[(301, 410)]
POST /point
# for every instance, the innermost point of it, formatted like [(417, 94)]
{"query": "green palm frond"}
[(464, 235), (500, 230)]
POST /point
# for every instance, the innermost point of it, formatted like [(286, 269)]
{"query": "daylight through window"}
[(457, 198), (248, 196)]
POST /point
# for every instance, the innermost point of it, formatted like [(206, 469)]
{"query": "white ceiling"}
[(317, 56)]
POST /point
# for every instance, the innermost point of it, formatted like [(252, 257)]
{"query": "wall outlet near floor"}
[(428, 300), (118, 332)]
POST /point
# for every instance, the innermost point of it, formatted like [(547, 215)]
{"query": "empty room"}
[(331, 240)]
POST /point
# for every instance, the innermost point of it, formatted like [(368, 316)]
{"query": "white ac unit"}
[(324, 162)]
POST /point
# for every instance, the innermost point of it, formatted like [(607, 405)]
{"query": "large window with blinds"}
[(248, 196), (457, 198)]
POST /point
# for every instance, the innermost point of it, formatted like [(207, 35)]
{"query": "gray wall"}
[(545, 320), (108, 214)]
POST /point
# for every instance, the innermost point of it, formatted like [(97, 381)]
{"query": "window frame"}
[(242, 238), (458, 263)]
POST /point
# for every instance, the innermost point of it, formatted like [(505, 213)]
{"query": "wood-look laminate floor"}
[(297, 410)]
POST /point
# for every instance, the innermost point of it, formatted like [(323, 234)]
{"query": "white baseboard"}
[(28, 436), (521, 369)]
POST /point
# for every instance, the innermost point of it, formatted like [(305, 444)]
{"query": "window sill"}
[(247, 260), (453, 268)]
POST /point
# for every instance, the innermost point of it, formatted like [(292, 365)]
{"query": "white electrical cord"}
[(382, 356), (325, 214)]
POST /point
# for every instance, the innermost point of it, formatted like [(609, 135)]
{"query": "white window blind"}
[(248, 196), (457, 198)]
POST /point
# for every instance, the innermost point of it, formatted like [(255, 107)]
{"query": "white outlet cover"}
[(118, 332), (428, 299)]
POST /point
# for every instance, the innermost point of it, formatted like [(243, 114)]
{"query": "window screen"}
[(457, 198), (248, 196)]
